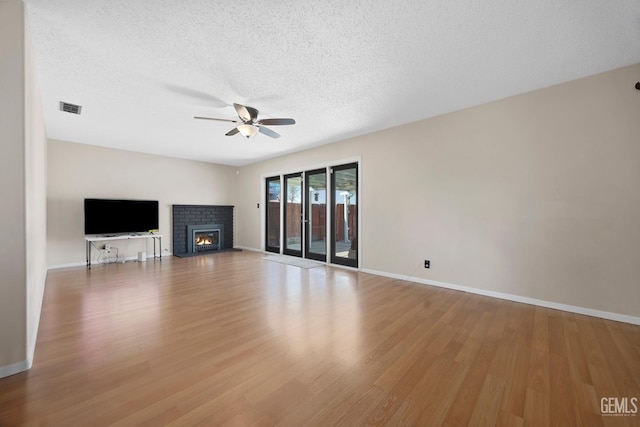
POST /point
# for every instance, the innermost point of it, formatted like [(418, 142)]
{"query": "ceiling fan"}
[(249, 123)]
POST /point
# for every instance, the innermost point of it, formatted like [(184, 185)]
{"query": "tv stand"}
[(89, 240)]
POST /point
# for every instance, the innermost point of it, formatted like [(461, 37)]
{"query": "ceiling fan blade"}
[(272, 122), (247, 114), (217, 120), (232, 132), (268, 132)]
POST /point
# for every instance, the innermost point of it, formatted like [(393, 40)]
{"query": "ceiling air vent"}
[(70, 108)]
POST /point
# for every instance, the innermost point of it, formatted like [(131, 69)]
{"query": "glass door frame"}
[(267, 247), (285, 219), (308, 214), (349, 262)]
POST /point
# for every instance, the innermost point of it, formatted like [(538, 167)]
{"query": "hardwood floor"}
[(232, 339)]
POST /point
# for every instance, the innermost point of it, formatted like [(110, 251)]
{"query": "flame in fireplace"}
[(203, 240)]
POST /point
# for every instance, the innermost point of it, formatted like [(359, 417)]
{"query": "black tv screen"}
[(106, 216)]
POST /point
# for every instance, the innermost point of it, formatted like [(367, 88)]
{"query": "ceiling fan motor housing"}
[(250, 125)]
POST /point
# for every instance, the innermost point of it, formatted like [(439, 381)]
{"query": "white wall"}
[(536, 196), (23, 213), (36, 195), (78, 171)]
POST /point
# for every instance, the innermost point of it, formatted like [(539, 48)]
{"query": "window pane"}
[(316, 215), (346, 214), (273, 214), (293, 214)]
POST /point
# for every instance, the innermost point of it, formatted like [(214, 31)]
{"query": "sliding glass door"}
[(315, 216), (344, 214)]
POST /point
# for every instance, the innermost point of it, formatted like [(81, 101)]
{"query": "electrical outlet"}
[(107, 248), (427, 263)]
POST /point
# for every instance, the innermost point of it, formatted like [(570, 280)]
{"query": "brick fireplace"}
[(202, 228)]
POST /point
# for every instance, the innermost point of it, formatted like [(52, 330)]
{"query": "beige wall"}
[(12, 169), (78, 171), (536, 196), (22, 193)]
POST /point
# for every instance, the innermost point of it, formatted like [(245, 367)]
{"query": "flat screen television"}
[(107, 216)]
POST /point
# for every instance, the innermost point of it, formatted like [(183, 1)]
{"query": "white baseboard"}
[(516, 298), (71, 264), (83, 263), (14, 368)]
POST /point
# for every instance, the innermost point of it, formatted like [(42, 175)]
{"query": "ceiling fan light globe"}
[(247, 130)]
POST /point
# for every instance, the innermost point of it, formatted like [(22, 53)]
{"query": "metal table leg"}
[(88, 252)]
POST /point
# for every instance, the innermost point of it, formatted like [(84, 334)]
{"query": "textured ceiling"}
[(142, 69)]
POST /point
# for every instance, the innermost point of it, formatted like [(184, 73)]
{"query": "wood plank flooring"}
[(232, 339)]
